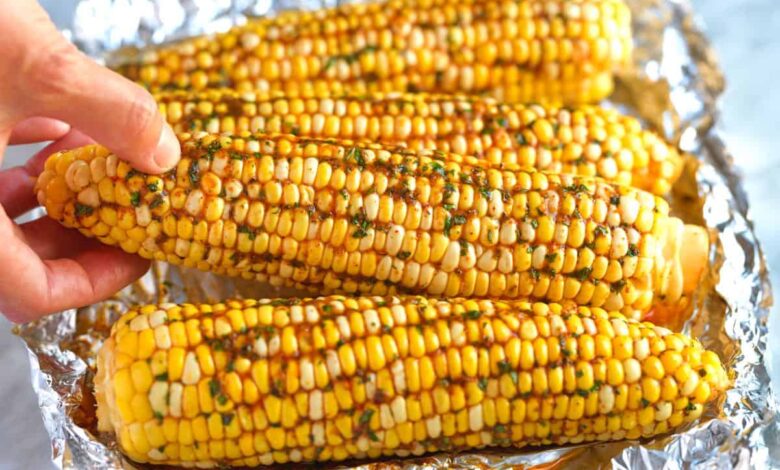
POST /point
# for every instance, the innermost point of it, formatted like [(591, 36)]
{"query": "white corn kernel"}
[(663, 411), (111, 163), (143, 215), (632, 370), (318, 434), (333, 364), (433, 426), (89, 196), (307, 374), (139, 323), (191, 373), (261, 347), (371, 319), (162, 337), (386, 417), (451, 257), (315, 405), (475, 418), (399, 376), (98, 169), (312, 314), (158, 397), (194, 202), (398, 406), (606, 399), (174, 399)]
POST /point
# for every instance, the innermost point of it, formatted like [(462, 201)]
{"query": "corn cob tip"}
[(694, 256)]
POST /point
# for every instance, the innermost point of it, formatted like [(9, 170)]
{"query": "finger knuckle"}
[(52, 72), (140, 116)]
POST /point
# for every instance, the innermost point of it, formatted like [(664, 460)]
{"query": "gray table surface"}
[(744, 34)]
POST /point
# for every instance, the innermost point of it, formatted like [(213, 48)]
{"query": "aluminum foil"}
[(674, 86)]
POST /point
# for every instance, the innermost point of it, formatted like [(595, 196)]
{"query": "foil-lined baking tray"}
[(674, 87)]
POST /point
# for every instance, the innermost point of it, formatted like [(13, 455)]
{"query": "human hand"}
[(50, 91)]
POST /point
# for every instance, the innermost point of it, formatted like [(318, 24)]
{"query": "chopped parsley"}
[(363, 225), (248, 231), (472, 314), (355, 153), (214, 387), (194, 173), (449, 222), (156, 202), (365, 418), (575, 188), (482, 383), (582, 274), (618, 285), (82, 209)]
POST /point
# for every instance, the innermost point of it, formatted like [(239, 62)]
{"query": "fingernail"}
[(168, 150)]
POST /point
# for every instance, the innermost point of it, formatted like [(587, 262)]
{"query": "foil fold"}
[(674, 86)]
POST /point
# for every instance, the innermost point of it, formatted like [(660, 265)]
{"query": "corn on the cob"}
[(585, 140), (360, 218), (517, 51), (259, 382)]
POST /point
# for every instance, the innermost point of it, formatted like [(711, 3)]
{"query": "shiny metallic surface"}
[(674, 86)]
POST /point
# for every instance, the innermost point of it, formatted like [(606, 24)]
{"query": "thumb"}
[(58, 81)]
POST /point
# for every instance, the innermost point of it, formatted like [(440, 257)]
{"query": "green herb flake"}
[(362, 224), (365, 418), (156, 202), (214, 387), (82, 210), (135, 199), (618, 285), (356, 154), (482, 383), (248, 231), (633, 250), (582, 274), (472, 314), (194, 173)]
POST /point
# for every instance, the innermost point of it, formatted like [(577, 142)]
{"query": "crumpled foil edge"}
[(676, 66)]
